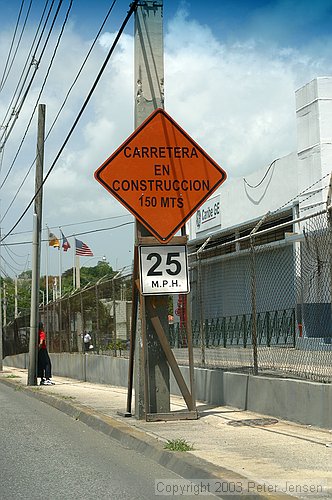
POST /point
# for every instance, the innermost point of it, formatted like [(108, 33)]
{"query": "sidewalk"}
[(268, 455)]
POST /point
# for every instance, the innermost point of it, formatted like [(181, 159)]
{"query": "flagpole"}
[(74, 277), (60, 294), (60, 272), (78, 272), (80, 249), (47, 249), (47, 291), (60, 284)]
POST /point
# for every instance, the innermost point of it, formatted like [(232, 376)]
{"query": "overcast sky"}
[(231, 71)]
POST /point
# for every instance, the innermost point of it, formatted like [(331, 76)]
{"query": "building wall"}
[(223, 287), (240, 203), (314, 132), (289, 175)]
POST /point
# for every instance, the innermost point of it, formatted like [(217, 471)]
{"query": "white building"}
[(288, 180), (292, 276)]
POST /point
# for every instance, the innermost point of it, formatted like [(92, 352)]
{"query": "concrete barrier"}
[(299, 401), (17, 361)]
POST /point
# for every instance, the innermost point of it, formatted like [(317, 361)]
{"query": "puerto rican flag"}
[(65, 243)]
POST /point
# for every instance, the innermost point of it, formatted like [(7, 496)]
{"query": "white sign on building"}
[(208, 216)]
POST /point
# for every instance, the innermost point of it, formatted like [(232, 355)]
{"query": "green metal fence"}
[(273, 327)]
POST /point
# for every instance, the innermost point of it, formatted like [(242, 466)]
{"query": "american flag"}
[(82, 249)]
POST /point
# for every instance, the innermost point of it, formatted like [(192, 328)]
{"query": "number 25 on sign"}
[(163, 269)]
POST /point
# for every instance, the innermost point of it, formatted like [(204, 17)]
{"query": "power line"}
[(9, 250), (35, 62), (81, 68), (75, 234), (26, 63), (11, 45), (100, 230), (58, 114), (15, 270), (264, 177), (34, 110), (95, 220), (101, 71), (78, 223), (4, 78)]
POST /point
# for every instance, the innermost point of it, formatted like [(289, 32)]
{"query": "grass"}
[(54, 394), (178, 445), (12, 376), (62, 396)]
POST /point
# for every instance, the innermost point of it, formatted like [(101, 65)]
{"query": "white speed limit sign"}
[(164, 269)]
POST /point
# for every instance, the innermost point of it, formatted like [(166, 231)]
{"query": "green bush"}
[(120, 345)]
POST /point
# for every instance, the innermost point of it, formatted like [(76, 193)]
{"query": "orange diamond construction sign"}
[(161, 175)]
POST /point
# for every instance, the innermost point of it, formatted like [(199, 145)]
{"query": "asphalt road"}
[(46, 454)]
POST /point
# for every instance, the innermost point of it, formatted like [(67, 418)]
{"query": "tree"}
[(23, 295), (87, 275)]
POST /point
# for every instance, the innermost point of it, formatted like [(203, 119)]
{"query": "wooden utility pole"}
[(152, 380), (36, 240)]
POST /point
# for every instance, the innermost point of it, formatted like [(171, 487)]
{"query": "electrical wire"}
[(9, 250), (6, 275), (264, 177), (24, 68), (35, 63), (12, 268), (132, 8), (81, 68), (96, 220), (79, 223), (17, 47), (58, 114), (2, 152), (11, 46), (76, 234), (35, 107), (100, 230)]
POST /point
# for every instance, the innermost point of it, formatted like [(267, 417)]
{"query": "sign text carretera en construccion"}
[(164, 185), (161, 175)]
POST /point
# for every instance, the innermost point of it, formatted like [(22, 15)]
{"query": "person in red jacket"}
[(44, 371)]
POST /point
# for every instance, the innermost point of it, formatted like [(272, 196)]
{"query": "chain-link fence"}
[(262, 302), (103, 310), (259, 303)]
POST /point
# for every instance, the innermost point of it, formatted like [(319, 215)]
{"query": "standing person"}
[(87, 341), (44, 362)]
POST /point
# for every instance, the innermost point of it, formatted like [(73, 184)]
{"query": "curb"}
[(185, 465)]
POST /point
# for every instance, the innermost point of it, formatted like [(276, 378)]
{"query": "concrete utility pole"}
[(1, 346), (151, 380), (36, 239)]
